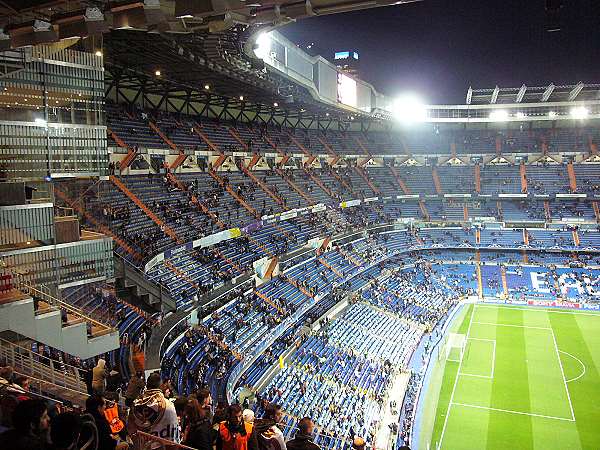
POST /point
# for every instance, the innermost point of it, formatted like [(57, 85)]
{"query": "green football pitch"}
[(527, 378)]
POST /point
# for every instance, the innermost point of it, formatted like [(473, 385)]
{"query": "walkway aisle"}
[(396, 394)]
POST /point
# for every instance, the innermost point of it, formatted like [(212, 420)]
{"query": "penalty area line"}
[(466, 405)]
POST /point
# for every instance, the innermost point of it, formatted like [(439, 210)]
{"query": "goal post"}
[(455, 346)]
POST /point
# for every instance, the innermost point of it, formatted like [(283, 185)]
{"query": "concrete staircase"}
[(52, 322)]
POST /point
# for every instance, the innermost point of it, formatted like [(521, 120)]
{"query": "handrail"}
[(54, 301), (12, 344), (69, 378)]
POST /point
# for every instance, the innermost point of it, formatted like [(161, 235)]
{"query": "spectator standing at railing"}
[(154, 414), (99, 374), (303, 440)]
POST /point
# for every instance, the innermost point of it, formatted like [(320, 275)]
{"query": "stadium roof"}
[(525, 94)]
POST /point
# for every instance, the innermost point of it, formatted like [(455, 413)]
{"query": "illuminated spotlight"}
[(40, 122), (326, 114), (579, 112), (521, 115), (499, 115), (241, 98), (552, 114), (262, 47), (275, 104), (351, 117), (206, 87), (157, 73), (409, 108), (28, 242), (98, 53)]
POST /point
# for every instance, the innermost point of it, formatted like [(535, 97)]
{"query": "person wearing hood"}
[(304, 436), (99, 377), (268, 434), (154, 414)]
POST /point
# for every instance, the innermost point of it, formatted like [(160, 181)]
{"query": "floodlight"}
[(579, 112), (409, 108), (500, 115), (98, 53), (262, 48), (157, 73), (552, 114), (521, 115)]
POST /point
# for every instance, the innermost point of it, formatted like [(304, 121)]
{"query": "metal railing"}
[(42, 368), (69, 309), (145, 441)]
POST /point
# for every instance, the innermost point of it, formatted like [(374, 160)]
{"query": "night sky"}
[(438, 48)]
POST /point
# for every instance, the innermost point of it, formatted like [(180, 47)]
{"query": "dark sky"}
[(439, 48)]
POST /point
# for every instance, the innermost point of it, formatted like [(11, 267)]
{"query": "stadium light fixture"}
[(409, 108), (521, 115), (275, 104), (262, 48), (579, 112), (206, 87), (157, 73), (552, 114), (98, 53), (500, 115), (241, 98)]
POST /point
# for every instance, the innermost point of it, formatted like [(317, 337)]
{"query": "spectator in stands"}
[(358, 443), (30, 425), (268, 434), (65, 429), (303, 438), (248, 416), (154, 414), (234, 433), (99, 377), (95, 407), (134, 388), (198, 432)]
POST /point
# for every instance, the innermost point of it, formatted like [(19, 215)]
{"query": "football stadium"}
[(221, 230)]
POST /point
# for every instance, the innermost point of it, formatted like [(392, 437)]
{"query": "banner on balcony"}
[(205, 241)]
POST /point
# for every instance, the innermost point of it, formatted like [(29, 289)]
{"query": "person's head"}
[(153, 381), (22, 381), (101, 363), (273, 412), (358, 443), (139, 374), (95, 404), (31, 416), (306, 426), (248, 416), (6, 373), (64, 431), (234, 414), (193, 411), (204, 398), (180, 404)]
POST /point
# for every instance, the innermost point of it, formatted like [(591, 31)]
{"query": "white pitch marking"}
[(511, 325), (563, 375), (514, 412), (579, 361), (542, 309), (456, 381)]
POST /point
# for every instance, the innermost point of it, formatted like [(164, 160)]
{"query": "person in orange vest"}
[(234, 433), (111, 412)]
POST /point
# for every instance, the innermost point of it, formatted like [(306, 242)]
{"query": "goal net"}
[(455, 346)]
